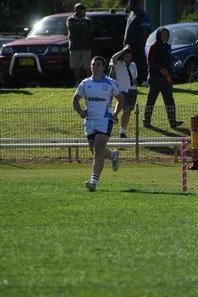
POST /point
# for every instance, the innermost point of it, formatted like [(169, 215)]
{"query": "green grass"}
[(59, 119), (185, 94), (136, 236)]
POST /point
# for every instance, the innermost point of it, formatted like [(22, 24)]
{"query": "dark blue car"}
[(184, 44)]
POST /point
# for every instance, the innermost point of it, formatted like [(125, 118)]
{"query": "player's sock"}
[(91, 186), (94, 179), (113, 153), (115, 160)]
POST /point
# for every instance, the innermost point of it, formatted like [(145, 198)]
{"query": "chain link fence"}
[(51, 134)]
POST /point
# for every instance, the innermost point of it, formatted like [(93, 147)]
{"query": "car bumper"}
[(29, 64)]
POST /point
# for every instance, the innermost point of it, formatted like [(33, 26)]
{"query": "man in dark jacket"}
[(160, 78), (136, 33)]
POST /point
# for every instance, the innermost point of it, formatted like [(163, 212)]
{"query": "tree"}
[(23, 12)]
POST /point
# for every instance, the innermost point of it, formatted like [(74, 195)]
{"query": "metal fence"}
[(51, 134)]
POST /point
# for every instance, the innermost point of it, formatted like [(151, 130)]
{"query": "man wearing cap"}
[(80, 35), (136, 33)]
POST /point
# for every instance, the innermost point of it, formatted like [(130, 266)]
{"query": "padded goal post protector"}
[(194, 143)]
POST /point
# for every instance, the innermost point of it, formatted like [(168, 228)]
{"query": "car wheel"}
[(190, 73)]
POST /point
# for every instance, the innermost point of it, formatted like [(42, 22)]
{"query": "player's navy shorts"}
[(97, 126)]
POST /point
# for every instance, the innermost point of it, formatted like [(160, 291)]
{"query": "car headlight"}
[(177, 62), (54, 49), (6, 50), (64, 49)]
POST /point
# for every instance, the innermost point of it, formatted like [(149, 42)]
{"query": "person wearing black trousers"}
[(160, 79), (136, 33)]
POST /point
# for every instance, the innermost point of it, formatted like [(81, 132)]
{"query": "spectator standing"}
[(126, 75), (160, 78), (80, 35), (136, 33), (98, 91)]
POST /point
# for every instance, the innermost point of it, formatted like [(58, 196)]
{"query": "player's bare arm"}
[(77, 106)]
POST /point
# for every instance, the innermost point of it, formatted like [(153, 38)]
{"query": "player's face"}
[(97, 67)]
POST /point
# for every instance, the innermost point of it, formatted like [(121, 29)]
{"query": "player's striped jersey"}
[(98, 95)]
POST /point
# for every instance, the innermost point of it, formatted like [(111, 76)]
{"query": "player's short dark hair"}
[(100, 58)]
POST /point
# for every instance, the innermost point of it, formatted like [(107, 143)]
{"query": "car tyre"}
[(190, 72)]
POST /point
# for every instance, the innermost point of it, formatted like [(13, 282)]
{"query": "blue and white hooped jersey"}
[(98, 95)]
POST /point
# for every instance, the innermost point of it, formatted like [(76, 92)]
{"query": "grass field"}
[(184, 94), (135, 237), (47, 113)]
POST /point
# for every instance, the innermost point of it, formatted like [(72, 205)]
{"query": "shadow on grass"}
[(140, 93), (183, 131), (166, 151), (187, 91), (15, 91), (16, 166), (155, 192), (170, 133)]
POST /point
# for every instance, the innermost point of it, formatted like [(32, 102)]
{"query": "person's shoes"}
[(177, 124), (123, 135), (90, 186), (115, 161), (144, 84), (147, 125), (193, 166)]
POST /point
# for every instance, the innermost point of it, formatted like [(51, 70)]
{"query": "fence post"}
[(137, 132)]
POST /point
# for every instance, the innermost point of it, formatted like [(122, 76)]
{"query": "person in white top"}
[(98, 92), (126, 76)]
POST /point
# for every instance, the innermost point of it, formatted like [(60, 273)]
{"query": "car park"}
[(184, 50), (3, 40), (8, 34), (43, 57)]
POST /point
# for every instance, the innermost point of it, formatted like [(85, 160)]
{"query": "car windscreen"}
[(107, 26), (49, 26), (178, 36), (184, 35)]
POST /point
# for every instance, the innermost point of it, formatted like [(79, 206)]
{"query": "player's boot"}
[(90, 186), (115, 160)]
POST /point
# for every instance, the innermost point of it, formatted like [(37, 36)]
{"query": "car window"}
[(107, 26), (183, 35), (49, 26)]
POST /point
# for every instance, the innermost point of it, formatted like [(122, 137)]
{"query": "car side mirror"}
[(26, 31), (21, 31)]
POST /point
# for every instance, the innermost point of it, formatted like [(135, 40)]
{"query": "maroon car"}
[(42, 57)]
